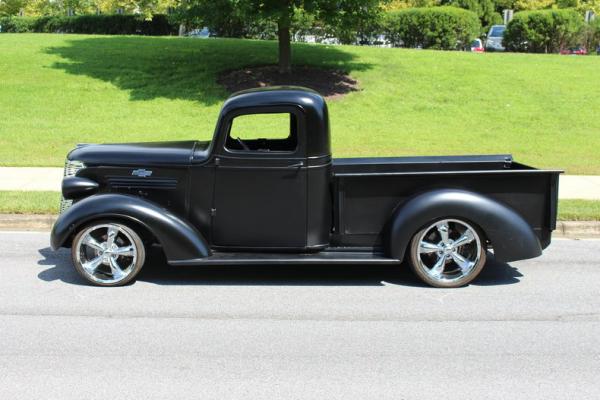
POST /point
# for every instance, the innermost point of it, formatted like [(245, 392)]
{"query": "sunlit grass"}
[(59, 90), (579, 210), (17, 202)]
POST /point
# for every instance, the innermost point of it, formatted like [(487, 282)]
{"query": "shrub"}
[(544, 31), (485, 10), (445, 28), (17, 24), (93, 24)]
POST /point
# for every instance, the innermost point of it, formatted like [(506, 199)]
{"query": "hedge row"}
[(116, 24), (544, 31), (445, 28)]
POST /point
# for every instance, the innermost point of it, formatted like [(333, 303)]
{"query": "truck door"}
[(261, 180)]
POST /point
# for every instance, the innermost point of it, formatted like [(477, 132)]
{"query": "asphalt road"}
[(526, 330)]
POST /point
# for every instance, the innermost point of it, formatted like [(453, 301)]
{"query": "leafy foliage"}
[(485, 10), (79, 7), (96, 24), (244, 18), (344, 18), (592, 35), (11, 7), (395, 5), (446, 28), (530, 5), (544, 31)]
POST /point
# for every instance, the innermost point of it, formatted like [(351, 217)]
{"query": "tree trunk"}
[(285, 47)]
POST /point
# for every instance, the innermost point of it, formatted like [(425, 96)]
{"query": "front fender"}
[(179, 239), (511, 236)]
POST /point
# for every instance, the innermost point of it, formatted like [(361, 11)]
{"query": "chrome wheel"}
[(108, 254), (448, 253)]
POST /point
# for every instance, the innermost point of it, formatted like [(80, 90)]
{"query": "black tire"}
[(453, 274), (126, 238)]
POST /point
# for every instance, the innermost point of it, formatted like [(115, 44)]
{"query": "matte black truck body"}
[(226, 201)]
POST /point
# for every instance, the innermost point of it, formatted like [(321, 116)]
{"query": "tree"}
[(485, 10), (11, 7), (394, 5), (533, 4), (340, 14), (581, 5)]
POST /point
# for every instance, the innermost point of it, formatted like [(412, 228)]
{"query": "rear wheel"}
[(447, 253), (108, 253)]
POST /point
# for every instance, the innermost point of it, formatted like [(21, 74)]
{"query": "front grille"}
[(126, 182), (72, 167), (65, 204)]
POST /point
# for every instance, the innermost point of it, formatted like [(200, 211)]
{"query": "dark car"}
[(266, 190)]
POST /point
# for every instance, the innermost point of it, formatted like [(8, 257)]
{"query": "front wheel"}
[(448, 253), (108, 253)]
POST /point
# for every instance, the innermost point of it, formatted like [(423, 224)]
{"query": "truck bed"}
[(367, 190)]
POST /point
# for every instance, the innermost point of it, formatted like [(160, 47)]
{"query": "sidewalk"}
[(48, 179)]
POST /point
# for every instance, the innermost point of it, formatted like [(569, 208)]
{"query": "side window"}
[(277, 132)]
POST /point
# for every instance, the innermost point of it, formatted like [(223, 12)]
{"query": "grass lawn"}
[(59, 90), (15, 202), (579, 210)]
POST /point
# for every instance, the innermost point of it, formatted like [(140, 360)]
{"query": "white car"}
[(203, 33), (495, 37)]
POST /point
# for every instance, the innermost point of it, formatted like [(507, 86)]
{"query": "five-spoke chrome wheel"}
[(447, 253), (108, 254)]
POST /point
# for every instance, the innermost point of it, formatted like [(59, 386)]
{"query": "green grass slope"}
[(59, 90)]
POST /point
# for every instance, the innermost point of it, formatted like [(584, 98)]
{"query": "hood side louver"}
[(126, 182)]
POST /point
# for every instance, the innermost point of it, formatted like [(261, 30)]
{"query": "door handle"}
[(297, 165)]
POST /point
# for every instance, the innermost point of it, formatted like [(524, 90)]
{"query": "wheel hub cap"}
[(106, 253), (448, 250)]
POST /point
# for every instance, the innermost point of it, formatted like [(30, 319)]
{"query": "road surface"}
[(526, 330)]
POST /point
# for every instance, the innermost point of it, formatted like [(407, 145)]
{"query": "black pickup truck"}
[(250, 198)]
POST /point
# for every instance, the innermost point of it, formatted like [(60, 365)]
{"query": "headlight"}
[(71, 169)]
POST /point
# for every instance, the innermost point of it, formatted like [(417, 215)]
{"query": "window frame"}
[(300, 149)]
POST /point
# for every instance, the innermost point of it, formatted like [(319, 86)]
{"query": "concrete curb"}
[(29, 222), (577, 229), (26, 222)]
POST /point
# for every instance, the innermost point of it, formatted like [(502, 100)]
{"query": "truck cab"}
[(266, 190), (271, 189)]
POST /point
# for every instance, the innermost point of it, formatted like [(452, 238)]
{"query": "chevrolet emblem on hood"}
[(142, 173)]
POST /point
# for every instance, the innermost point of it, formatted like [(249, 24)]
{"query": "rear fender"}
[(179, 239), (511, 236)]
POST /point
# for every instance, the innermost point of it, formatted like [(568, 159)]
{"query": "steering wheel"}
[(244, 145)]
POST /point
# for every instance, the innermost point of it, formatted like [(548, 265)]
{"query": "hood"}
[(145, 154)]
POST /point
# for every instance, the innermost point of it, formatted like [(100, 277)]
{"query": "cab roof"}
[(311, 103)]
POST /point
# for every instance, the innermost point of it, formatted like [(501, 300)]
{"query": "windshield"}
[(497, 31)]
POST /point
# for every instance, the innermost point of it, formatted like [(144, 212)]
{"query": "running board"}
[(323, 257)]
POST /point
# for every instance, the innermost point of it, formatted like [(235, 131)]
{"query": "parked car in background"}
[(378, 40), (477, 46), (495, 37), (575, 51), (203, 33)]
